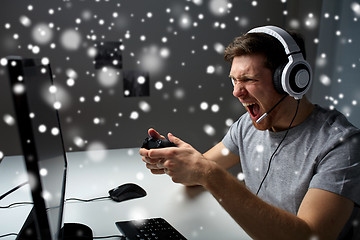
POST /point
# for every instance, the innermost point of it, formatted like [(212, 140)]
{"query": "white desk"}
[(192, 211)]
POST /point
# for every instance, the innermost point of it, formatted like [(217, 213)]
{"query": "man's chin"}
[(261, 125)]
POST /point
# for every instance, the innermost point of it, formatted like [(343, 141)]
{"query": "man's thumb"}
[(175, 140)]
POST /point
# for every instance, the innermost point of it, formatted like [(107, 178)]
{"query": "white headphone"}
[(294, 77)]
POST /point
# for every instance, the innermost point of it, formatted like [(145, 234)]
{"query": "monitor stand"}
[(75, 231), (70, 231), (28, 230)]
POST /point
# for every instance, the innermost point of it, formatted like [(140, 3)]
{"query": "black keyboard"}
[(148, 229)]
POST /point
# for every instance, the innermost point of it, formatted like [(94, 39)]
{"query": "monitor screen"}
[(37, 118)]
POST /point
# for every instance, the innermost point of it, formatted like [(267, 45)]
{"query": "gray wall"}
[(191, 49), (337, 72)]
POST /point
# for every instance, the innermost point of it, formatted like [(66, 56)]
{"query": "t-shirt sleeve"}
[(338, 170), (231, 139)]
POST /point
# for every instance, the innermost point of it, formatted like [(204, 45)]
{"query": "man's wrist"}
[(211, 173)]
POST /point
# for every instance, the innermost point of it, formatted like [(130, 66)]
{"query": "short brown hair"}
[(262, 43)]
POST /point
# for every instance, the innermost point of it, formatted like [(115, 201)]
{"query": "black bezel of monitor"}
[(22, 74)]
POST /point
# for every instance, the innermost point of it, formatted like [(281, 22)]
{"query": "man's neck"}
[(304, 111)]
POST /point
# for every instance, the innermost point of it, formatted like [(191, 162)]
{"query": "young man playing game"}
[(300, 161)]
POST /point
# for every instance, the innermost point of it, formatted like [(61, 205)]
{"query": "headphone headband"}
[(280, 34)]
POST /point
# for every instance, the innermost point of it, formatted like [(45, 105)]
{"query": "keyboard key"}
[(149, 229)]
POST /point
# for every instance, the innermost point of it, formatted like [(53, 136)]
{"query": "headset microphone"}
[(265, 114)]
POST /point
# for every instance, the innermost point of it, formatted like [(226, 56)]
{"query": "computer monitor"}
[(34, 96)]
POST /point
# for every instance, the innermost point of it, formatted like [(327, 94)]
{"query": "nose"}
[(239, 90)]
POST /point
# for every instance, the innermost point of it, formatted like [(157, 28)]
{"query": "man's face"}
[(253, 86)]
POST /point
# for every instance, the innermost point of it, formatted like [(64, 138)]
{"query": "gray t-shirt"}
[(322, 152)]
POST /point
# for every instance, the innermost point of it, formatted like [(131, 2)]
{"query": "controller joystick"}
[(152, 143)]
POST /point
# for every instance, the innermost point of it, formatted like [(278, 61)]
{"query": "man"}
[(301, 162)]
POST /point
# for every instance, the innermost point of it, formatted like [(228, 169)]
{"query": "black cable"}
[(80, 200), (277, 104), (91, 200), (8, 234), (86, 200), (17, 203), (272, 156), (111, 236), (70, 199), (13, 190), (100, 237)]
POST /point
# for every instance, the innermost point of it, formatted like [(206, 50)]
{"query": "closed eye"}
[(243, 80), (250, 80)]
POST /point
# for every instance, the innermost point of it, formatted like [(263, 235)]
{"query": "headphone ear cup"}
[(277, 79), (299, 78)]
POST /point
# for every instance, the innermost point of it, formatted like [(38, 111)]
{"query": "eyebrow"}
[(244, 76)]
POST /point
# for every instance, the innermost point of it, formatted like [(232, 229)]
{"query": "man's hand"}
[(183, 164), (153, 164)]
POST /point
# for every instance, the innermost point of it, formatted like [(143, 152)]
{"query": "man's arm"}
[(222, 156), (325, 212), (219, 154), (322, 214)]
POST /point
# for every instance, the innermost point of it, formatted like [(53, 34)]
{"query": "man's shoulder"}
[(330, 127), (332, 120)]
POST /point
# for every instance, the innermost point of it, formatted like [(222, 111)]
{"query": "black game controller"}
[(151, 143)]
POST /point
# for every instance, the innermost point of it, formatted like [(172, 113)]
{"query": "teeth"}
[(247, 104)]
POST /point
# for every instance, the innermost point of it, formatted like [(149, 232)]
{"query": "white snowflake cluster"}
[(154, 49)]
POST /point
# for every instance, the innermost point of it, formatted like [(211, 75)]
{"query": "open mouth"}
[(253, 109)]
